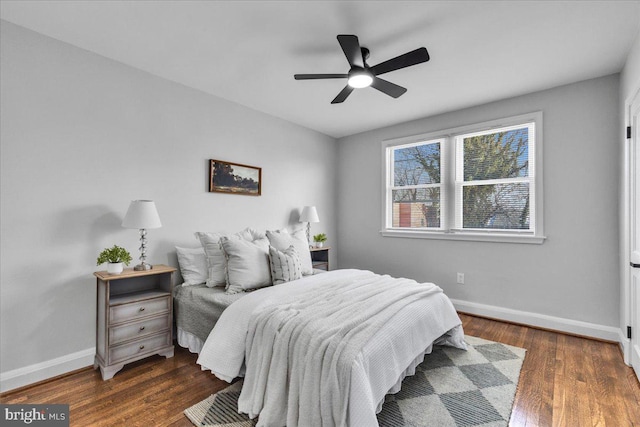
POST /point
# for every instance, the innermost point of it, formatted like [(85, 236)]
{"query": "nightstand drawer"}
[(138, 309), (146, 345), (139, 329)]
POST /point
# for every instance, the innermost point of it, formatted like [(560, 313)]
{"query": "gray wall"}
[(573, 275), (630, 75), (82, 136)]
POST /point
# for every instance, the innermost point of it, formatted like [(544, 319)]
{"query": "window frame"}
[(448, 168), (391, 182)]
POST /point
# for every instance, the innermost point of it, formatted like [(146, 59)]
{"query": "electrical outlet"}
[(460, 278)]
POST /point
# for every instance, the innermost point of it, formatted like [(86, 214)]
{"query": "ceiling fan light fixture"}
[(359, 79), (361, 75)]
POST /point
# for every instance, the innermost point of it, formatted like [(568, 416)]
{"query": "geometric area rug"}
[(451, 387)]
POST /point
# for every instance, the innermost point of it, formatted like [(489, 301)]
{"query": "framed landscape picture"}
[(234, 178)]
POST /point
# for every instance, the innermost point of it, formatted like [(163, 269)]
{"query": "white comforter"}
[(290, 378)]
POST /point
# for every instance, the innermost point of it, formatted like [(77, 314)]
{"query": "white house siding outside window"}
[(479, 182)]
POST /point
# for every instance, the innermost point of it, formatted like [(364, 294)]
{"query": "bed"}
[(228, 266), (197, 309), (326, 349)]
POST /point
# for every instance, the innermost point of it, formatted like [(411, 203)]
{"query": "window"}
[(480, 182), (416, 187)]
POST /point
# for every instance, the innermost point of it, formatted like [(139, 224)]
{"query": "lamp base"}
[(143, 267)]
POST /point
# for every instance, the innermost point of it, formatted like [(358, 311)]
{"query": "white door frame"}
[(628, 207)]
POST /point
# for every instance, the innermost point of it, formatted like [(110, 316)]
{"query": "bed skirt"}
[(189, 341)]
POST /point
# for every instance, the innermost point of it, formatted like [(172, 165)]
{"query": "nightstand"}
[(320, 258), (134, 317)]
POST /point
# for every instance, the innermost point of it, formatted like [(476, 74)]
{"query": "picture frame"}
[(234, 178)]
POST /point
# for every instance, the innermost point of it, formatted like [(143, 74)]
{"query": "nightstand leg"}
[(110, 371), (168, 354)]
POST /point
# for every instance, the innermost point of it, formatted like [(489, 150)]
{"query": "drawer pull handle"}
[(142, 328), (141, 347), (141, 308)]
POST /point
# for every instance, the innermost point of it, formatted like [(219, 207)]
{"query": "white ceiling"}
[(248, 51)]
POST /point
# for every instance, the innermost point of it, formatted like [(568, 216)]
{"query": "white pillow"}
[(285, 265), (193, 265), (216, 260), (281, 240), (247, 264)]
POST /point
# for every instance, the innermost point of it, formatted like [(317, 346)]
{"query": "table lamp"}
[(309, 214), (142, 214)]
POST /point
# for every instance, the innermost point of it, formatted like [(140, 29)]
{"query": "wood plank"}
[(524, 404), (534, 403), (565, 381)]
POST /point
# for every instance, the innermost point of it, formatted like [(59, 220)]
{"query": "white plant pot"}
[(319, 244), (115, 267)]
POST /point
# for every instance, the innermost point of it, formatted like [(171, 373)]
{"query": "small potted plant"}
[(114, 257), (319, 239)]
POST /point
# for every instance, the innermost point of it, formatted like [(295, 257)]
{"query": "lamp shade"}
[(309, 214), (142, 214)]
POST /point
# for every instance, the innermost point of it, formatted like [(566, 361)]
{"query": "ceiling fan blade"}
[(319, 76), (389, 88), (342, 95), (351, 48), (408, 59)]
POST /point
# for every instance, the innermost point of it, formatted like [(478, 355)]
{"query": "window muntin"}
[(489, 185)]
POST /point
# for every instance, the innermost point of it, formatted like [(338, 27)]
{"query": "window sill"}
[(466, 236)]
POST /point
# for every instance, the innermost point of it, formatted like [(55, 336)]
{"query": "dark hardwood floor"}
[(565, 381)]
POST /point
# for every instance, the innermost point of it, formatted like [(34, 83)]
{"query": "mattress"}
[(197, 308)]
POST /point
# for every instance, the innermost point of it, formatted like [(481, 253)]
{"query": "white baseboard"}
[(625, 346), (577, 327), (45, 370)]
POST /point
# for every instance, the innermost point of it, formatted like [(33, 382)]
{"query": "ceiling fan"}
[(362, 75)]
